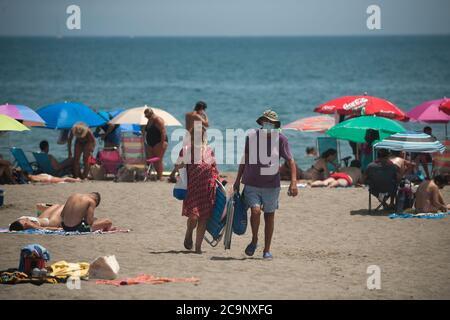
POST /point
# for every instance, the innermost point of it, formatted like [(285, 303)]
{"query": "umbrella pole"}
[(357, 151), (446, 131)]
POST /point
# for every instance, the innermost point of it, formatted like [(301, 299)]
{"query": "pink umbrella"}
[(312, 124), (430, 112), (22, 113)]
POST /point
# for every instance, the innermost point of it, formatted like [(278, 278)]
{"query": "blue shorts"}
[(265, 198)]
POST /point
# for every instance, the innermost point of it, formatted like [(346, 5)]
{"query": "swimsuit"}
[(81, 227), (342, 175), (36, 220), (153, 136)]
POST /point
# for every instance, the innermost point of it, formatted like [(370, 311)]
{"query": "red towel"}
[(145, 278)]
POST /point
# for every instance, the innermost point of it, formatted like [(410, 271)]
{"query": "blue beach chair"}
[(22, 161), (44, 163), (216, 223)]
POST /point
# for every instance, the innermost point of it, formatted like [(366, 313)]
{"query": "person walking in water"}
[(156, 139)]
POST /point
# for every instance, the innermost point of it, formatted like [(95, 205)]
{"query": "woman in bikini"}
[(84, 145), (345, 177), (319, 171), (156, 139), (49, 219)]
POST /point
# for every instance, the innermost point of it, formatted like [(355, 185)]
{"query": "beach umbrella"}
[(411, 141), (430, 112), (10, 124), (312, 124), (136, 116), (108, 115), (445, 106), (362, 105), (355, 129), (65, 114), (23, 113)]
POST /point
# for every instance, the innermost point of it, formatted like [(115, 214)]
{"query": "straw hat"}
[(80, 130), (270, 116)]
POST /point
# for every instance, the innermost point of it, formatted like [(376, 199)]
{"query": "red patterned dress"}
[(201, 186)]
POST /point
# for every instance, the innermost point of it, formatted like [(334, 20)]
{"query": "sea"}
[(238, 78)]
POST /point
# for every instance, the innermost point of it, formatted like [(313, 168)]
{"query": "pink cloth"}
[(145, 278)]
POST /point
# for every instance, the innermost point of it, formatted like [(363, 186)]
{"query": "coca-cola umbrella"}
[(362, 105)]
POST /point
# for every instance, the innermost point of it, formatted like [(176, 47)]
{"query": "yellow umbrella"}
[(136, 116), (10, 124)]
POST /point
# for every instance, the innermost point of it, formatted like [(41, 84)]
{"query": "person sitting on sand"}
[(84, 145), (345, 177), (428, 196), (59, 167), (319, 170), (78, 214), (49, 219)]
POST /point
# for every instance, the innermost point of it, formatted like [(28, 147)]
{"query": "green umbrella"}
[(355, 129), (10, 124)]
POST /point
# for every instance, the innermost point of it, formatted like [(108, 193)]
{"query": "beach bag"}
[(105, 267), (240, 214), (33, 256), (97, 172), (125, 174), (180, 188)]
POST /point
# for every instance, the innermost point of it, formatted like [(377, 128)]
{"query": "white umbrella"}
[(136, 116)]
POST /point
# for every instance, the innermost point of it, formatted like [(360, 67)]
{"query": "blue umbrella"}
[(64, 115)]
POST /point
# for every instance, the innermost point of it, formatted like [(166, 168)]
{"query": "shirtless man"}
[(199, 114), (50, 219), (428, 196), (78, 214), (402, 164)]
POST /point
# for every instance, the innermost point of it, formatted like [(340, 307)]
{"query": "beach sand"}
[(324, 241)]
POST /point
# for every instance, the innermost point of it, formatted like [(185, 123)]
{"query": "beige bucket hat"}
[(270, 116)]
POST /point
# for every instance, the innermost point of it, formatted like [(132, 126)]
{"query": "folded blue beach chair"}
[(22, 161), (217, 221), (44, 163)]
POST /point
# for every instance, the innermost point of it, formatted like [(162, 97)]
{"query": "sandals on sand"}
[(267, 256), (250, 250)]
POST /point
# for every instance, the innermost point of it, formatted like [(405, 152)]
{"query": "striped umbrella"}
[(312, 124), (411, 142)]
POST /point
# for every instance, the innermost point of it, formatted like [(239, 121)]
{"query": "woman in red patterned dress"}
[(198, 158)]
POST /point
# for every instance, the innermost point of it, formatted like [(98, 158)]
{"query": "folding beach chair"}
[(110, 160), (217, 221), (381, 186), (44, 163), (22, 161), (133, 154)]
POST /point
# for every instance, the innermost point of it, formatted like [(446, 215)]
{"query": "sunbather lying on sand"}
[(46, 178), (345, 177), (50, 219)]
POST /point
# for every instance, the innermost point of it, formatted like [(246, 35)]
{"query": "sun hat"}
[(80, 130), (270, 116)]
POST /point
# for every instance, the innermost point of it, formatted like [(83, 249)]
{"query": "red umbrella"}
[(312, 124), (445, 106), (362, 105)]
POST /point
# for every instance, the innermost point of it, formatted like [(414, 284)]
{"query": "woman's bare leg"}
[(159, 151), (76, 160), (191, 224), (201, 229), (102, 224)]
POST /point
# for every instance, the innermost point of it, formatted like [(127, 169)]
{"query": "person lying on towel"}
[(428, 196), (50, 219), (345, 177)]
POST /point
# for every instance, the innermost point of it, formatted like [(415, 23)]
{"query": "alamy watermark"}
[(374, 20), (73, 21), (374, 280)]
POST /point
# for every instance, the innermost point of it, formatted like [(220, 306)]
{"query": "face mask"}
[(268, 126)]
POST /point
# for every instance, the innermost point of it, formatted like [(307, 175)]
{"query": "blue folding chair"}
[(44, 163), (22, 161)]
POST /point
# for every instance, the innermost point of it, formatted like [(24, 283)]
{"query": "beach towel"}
[(14, 276), (147, 279), (60, 232), (63, 270), (438, 215)]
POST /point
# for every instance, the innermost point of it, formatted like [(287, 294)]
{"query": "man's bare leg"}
[(269, 224), (103, 225), (254, 222)]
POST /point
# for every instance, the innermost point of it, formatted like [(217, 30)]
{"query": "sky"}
[(223, 17)]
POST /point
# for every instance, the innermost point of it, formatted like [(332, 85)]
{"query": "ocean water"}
[(238, 77)]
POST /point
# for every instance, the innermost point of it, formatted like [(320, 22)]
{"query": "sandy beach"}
[(324, 242)]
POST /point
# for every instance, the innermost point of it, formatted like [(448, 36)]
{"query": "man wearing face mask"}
[(261, 177)]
